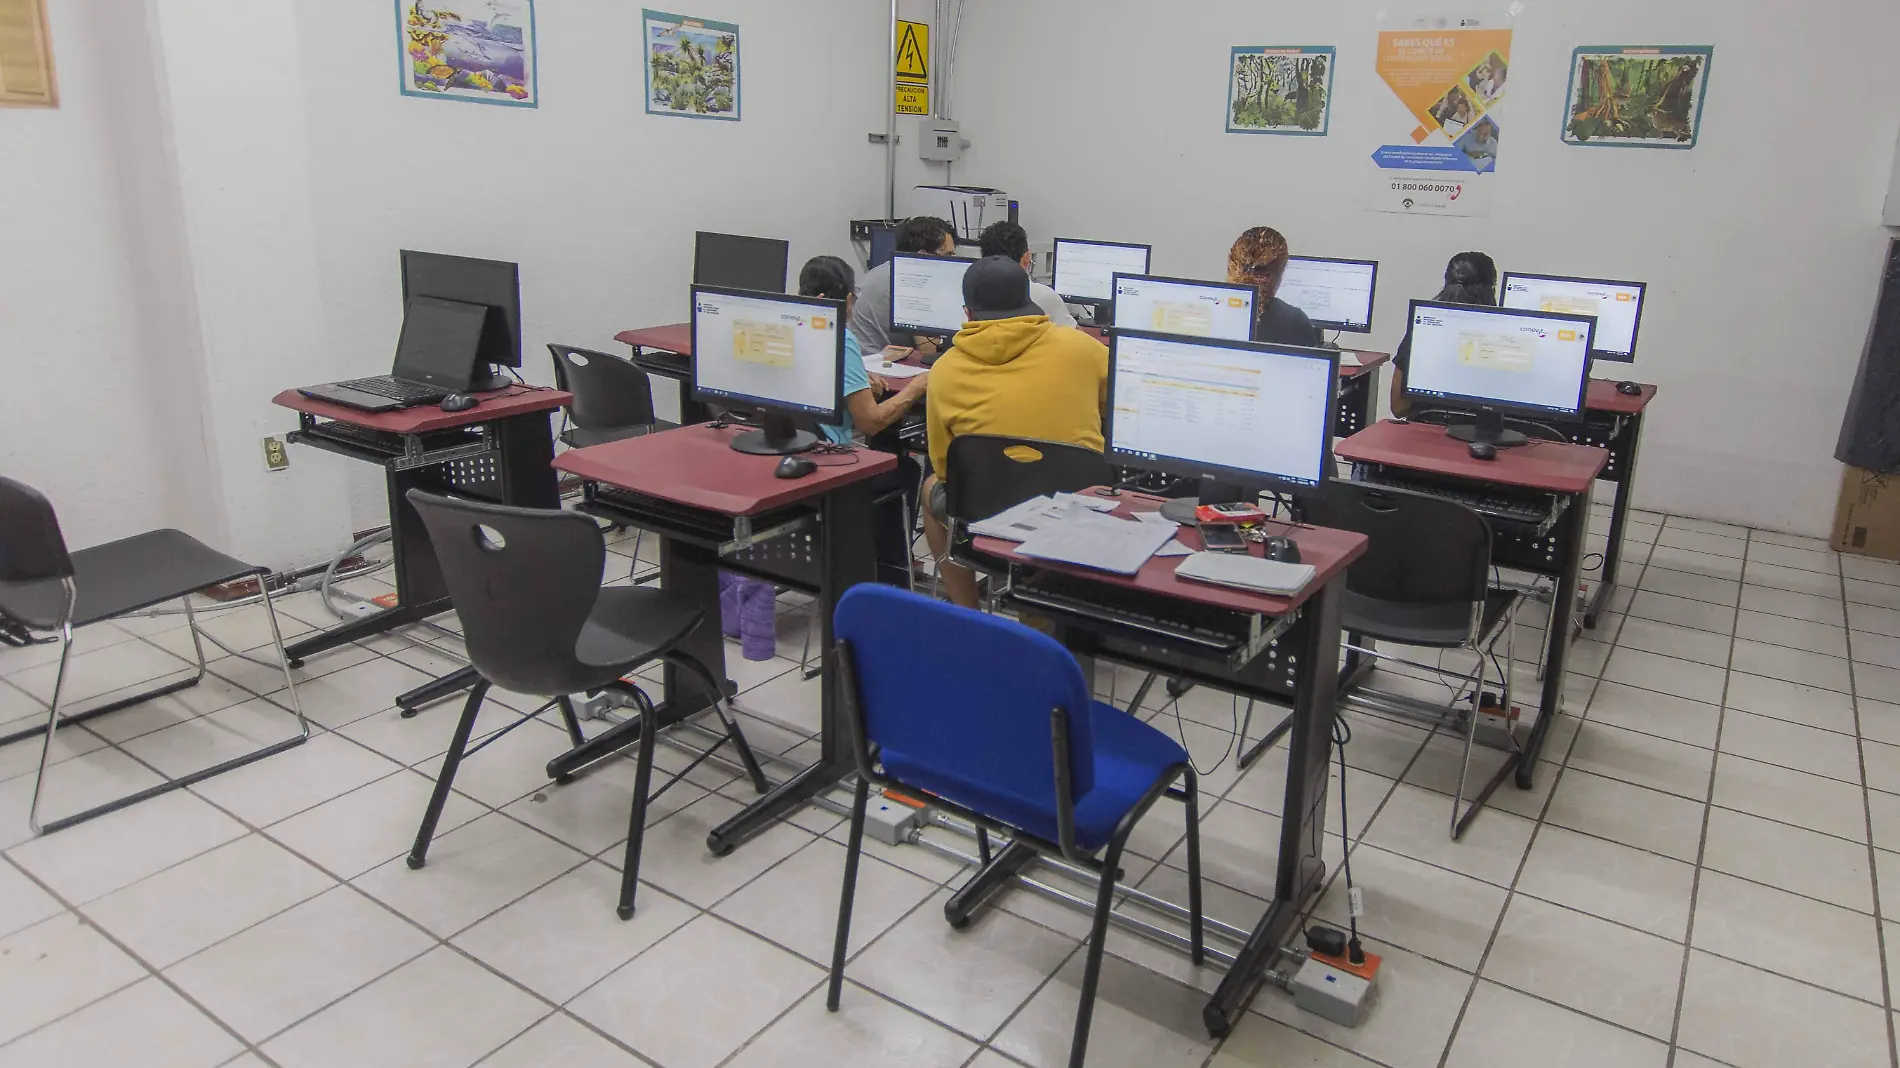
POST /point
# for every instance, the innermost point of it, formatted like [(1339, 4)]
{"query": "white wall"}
[(1104, 117)]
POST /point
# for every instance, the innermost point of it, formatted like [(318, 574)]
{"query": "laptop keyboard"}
[(396, 389)]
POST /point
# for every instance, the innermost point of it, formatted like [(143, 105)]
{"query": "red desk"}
[(497, 451), (667, 352), (1295, 658), (1615, 422), (718, 510), (1561, 475)]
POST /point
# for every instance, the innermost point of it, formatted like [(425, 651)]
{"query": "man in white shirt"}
[(1010, 241)]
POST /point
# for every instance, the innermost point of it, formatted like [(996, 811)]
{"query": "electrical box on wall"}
[(942, 141)]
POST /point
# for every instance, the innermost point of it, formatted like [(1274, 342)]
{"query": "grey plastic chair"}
[(613, 399)]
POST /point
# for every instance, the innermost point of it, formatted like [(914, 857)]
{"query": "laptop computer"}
[(434, 358)]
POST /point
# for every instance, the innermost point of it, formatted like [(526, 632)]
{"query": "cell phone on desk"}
[(1222, 538)]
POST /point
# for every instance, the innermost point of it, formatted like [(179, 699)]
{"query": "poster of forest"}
[(1642, 97), (692, 67), (1280, 90)]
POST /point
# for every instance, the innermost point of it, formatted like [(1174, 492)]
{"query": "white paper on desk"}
[(1096, 541), (1348, 358), (1017, 523), (1088, 500), (1174, 548), (877, 365), (1156, 518)]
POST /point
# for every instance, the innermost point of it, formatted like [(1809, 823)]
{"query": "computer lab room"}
[(949, 534)]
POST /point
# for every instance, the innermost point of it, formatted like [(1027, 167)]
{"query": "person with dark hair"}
[(1470, 278), (1010, 241), (833, 279), (1258, 259), (922, 236)]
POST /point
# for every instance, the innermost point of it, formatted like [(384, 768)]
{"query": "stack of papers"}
[(1102, 542), (1036, 513), (1246, 573), (875, 363)]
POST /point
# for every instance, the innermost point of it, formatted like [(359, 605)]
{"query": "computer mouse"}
[(1629, 389), (458, 402), (1285, 550), (795, 467), (1483, 451)]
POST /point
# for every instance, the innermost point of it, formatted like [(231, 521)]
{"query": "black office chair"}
[(536, 620), (1425, 580), (613, 399), (44, 588), (990, 473)]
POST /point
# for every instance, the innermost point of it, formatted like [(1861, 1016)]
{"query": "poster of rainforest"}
[(692, 67), (1640, 97), (480, 51), (1280, 90)]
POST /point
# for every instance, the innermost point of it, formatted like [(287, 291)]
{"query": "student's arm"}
[(1400, 405), (871, 416)]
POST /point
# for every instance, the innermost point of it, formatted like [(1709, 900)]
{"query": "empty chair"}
[(991, 473), (45, 588), (537, 621), (1020, 746), (613, 399)]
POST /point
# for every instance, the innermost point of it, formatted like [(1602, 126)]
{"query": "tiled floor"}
[(1701, 877)]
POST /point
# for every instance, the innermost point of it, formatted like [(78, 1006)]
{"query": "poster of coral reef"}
[(481, 51), (692, 67), (1637, 97), (1280, 90)]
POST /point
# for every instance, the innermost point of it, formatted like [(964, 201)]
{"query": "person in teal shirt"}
[(833, 279)]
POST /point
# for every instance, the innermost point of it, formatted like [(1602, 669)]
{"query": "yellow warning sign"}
[(913, 98), (913, 51)]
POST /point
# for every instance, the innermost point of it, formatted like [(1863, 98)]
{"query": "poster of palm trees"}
[(692, 67), (1280, 90), (1639, 97)]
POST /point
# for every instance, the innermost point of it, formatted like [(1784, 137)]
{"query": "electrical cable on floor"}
[(329, 573), (1180, 731), (1342, 736)]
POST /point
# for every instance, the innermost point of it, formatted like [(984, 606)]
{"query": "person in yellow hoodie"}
[(1009, 371)]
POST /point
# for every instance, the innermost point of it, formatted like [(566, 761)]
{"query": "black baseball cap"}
[(997, 287)]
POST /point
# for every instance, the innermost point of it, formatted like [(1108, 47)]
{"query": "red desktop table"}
[(497, 451), (1287, 649), (1421, 456), (719, 510), (1613, 421)]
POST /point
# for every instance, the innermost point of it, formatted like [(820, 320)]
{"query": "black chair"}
[(990, 473), (45, 588), (1425, 580), (613, 399), (536, 620)]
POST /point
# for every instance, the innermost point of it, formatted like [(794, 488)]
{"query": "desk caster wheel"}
[(1177, 687), (957, 921), (416, 862), (1216, 1023), (625, 912), (563, 780), (411, 713), (1524, 778), (717, 845), (295, 662)]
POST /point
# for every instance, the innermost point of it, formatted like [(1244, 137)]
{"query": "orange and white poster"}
[(1448, 80)]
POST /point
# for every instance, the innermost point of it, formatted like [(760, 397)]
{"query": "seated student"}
[(1010, 372), (1011, 242), (922, 236), (1470, 278), (1259, 259)]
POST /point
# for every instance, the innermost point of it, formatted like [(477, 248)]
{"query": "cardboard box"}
[(1867, 520)]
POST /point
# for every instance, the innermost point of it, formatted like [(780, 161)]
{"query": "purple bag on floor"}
[(748, 610)]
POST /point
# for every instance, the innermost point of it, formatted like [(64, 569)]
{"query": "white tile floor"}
[(1696, 880)]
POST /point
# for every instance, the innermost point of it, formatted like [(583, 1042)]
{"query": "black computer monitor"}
[(1184, 306), (1493, 361), (1084, 271), (781, 355), (493, 283), (1618, 307), (883, 245), (1335, 294), (756, 263), (1242, 417)]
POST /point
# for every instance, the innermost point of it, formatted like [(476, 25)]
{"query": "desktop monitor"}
[(883, 246), (782, 355), (927, 294), (1242, 417), (1496, 360), (1335, 294), (1085, 270), (757, 263), (491, 283), (1618, 307), (1183, 306)]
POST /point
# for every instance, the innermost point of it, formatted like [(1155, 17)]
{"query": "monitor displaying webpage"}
[(1482, 355), (1243, 409), (777, 353), (1618, 306), (1086, 270), (1335, 294), (1172, 306), (927, 293)]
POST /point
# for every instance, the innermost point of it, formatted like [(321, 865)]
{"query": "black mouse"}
[(795, 467), (458, 402), (1483, 451), (1285, 550), (1629, 389)]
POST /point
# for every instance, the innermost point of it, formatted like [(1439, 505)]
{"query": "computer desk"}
[(1422, 454), (719, 510), (1291, 655), (1612, 421), (497, 451), (667, 352)]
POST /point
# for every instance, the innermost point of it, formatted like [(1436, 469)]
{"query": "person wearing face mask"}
[(1259, 259)]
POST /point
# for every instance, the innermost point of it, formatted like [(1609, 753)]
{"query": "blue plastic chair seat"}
[(1129, 757)]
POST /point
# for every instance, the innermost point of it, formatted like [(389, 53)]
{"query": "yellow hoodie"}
[(1020, 377)]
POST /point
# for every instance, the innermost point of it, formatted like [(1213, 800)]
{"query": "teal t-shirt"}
[(855, 378)]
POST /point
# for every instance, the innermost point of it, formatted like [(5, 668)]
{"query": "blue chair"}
[(994, 722)]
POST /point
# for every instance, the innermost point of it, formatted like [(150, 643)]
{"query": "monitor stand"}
[(777, 436), (489, 378), (1182, 509), (1487, 429)]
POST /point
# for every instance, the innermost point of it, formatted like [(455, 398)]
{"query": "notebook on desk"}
[(1246, 573)]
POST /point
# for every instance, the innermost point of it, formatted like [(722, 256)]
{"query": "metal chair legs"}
[(458, 746), (853, 847), (722, 708), (637, 819)]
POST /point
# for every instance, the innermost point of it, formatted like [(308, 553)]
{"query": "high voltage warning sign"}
[(913, 68)]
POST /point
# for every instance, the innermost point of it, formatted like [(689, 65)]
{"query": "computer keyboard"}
[(1491, 506), (359, 435), (1188, 621), (396, 389)]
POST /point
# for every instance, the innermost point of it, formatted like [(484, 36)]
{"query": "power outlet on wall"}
[(276, 457)]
